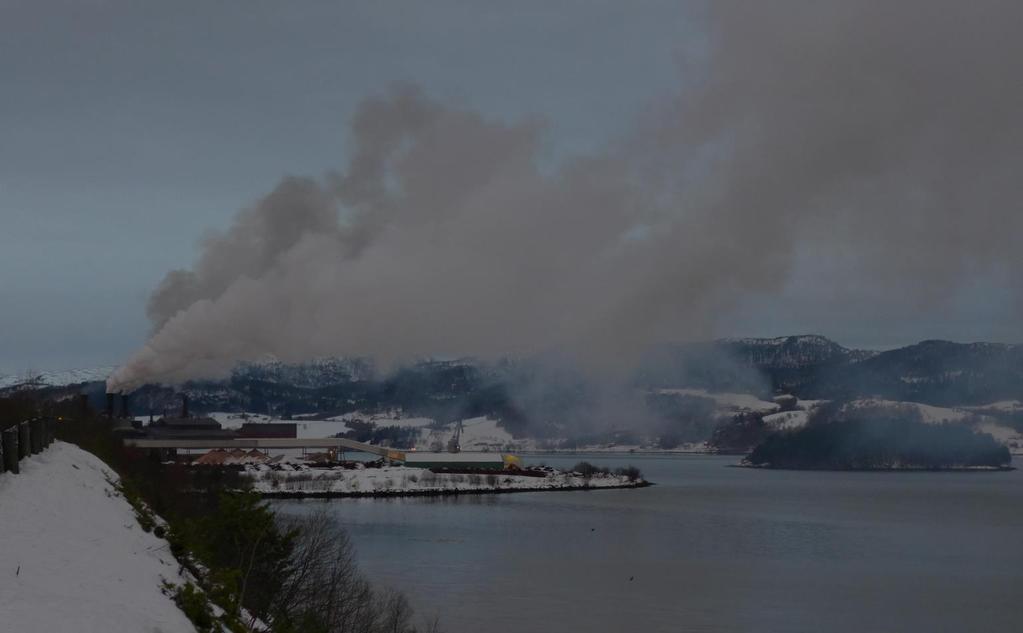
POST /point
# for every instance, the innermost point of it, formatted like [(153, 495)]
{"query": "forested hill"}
[(864, 436), (933, 372)]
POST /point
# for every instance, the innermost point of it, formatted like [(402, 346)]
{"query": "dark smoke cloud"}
[(883, 135)]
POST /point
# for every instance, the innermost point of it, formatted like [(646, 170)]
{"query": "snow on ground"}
[(390, 418), (304, 428), (73, 557), (934, 415), (478, 434), (314, 429), (1001, 433), (787, 419), (236, 420), (404, 480), (1006, 435), (810, 405), (729, 401), (929, 413), (1007, 406), (57, 378), (308, 428)]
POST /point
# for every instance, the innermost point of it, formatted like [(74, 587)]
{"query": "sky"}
[(131, 130)]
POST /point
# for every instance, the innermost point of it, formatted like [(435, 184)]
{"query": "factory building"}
[(457, 461), (282, 430), (187, 428)]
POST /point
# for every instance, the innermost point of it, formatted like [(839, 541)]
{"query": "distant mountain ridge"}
[(61, 378), (934, 372), (791, 351)]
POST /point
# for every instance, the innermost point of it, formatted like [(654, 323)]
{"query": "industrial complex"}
[(253, 442)]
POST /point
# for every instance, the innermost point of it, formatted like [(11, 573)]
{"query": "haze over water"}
[(709, 548)]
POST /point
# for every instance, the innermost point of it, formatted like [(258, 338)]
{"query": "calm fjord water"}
[(710, 548)]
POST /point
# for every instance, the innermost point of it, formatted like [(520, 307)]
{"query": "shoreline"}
[(913, 469), (381, 494), (616, 452), (396, 481)]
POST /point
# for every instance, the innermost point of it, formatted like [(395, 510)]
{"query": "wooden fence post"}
[(24, 440), (36, 426), (10, 448)]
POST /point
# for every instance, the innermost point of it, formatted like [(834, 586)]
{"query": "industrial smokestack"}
[(125, 413), (83, 406), (110, 405), (184, 405)]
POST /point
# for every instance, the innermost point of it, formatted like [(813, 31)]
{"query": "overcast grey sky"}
[(130, 129)]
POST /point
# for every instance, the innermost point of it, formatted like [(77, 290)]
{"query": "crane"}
[(455, 443)]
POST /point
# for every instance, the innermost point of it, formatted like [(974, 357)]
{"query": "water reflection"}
[(708, 548)]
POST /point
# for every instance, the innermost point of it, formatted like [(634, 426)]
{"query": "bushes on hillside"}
[(294, 575), (739, 434), (586, 469)]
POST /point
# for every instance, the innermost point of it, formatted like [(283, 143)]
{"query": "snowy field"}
[(786, 419), (478, 434), (74, 558)]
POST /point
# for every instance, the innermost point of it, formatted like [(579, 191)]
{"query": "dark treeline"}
[(291, 574), (841, 437), (586, 469), (740, 433)]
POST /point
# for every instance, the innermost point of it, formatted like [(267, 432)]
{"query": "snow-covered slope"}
[(73, 558), (786, 419), (56, 378), (478, 434)]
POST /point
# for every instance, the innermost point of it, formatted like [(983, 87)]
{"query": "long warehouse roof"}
[(417, 456)]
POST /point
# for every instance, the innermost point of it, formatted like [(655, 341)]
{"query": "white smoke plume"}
[(885, 134)]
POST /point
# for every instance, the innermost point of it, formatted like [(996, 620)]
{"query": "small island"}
[(297, 480), (851, 437)]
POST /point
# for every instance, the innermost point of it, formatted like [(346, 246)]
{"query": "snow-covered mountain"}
[(527, 398), (934, 372), (62, 378), (790, 352)]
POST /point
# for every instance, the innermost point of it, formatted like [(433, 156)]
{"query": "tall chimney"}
[(124, 406), (184, 405), (110, 405)]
